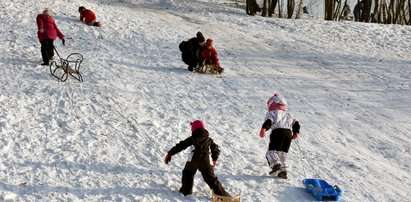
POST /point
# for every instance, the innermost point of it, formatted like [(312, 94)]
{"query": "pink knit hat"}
[(276, 102), (196, 125)]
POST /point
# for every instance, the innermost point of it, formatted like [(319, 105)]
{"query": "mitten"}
[(262, 132), (295, 136), (167, 159), (214, 164)]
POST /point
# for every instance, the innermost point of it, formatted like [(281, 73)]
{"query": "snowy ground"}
[(105, 139)]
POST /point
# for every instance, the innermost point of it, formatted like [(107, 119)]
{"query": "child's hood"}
[(199, 136)]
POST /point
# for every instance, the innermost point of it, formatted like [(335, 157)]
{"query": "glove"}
[(295, 136), (214, 164), (262, 132), (167, 159), (63, 41)]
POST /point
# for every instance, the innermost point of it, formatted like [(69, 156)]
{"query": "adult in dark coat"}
[(200, 159), (191, 50), (358, 11), (47, 33)]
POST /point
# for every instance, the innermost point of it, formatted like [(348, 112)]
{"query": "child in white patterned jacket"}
[(284, 128)]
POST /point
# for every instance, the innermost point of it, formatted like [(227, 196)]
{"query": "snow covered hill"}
[(105, 139)]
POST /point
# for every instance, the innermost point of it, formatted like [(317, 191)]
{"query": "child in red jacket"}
[(47, 33), (210, 57), (88, 17)]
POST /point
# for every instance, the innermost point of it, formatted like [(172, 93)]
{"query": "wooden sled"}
[(64, 67), (208, 68), (217, 198)]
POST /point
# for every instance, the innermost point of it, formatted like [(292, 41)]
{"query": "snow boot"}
[(185, 193), (275, 169), (190, 68), (221, 70), (282, 174)]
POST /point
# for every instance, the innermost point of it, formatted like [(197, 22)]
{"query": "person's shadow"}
[(292, 193)]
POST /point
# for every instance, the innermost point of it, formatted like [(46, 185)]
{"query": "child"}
[(284, 128), (88, 17), (209, 56), (47, 33), (200, 160)]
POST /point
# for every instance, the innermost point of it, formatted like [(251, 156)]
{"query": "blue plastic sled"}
[(321, 190)]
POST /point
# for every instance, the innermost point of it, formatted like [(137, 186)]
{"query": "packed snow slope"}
[(105, 139)]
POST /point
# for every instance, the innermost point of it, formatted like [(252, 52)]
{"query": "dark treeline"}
[(374, 11), (282, 8)]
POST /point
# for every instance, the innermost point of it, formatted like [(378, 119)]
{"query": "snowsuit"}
[(282, 126), (190, 52), (200, 160), (87, 16), (47, 33)]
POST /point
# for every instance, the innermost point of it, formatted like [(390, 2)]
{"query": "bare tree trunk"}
[(391, 10), (290, 8), (385, 13), (329, 9), (280, 9), (337, 7), (375, 12), (300, 9), (247, 7), (251, 7), (272, 7), (409, 12), (398, 12), (264, 12)]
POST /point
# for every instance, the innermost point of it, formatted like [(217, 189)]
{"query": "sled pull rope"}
[(55, 49), (305, 159)]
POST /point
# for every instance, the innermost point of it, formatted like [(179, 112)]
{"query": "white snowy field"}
[(105, 139)]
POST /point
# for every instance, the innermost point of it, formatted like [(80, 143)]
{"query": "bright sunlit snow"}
[(105, 139)]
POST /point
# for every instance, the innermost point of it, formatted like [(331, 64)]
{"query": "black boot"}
[(221, 70), (282, 174), (275, 169), (45, 64), (190, 68), (185, 193)]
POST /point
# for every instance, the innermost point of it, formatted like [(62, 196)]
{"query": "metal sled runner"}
[(62, 68)]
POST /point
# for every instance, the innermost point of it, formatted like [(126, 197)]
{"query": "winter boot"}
[(282, 174), (275, 169), (185, 193), (190, 68), (220, 70)]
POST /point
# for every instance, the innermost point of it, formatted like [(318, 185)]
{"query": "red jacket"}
[(210, 56), (47, 25), (87, 16)]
